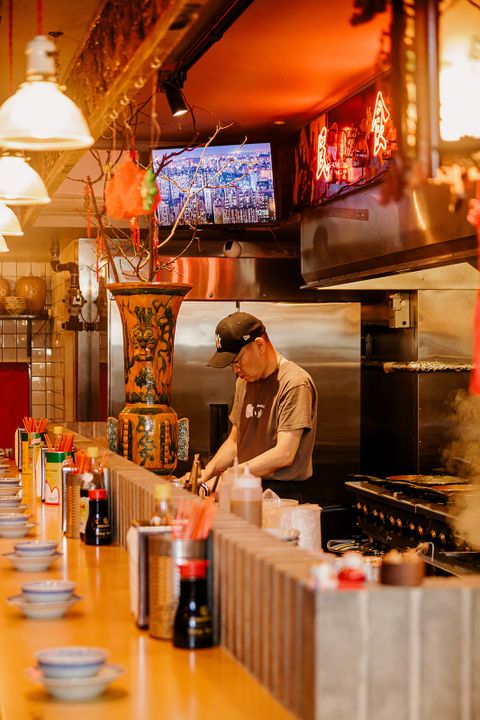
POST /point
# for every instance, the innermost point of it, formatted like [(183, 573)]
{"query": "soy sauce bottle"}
[(98, 530), (192, 626)]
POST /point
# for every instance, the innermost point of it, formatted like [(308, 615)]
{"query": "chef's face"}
[(249, 363)]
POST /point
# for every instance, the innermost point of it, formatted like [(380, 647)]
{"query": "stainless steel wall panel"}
[(324, 338)]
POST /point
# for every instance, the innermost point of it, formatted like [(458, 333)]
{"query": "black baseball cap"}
[(232, 334)]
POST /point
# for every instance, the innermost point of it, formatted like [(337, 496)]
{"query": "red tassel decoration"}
[(86, 203), (474, 218)]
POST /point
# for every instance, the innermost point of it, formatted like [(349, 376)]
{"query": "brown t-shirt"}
[(285, 400)]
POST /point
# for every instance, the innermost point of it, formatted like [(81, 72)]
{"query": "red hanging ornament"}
[(474, 218), (125, 192), (86, 204)]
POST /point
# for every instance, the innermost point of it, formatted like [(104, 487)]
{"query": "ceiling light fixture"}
[(175, 98), (3, 245), (9, 224), (39, 116), (20, 184)]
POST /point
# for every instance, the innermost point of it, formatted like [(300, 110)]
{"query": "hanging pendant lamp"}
[(9, 224), (39, 116), (20, 184), (3, 245)]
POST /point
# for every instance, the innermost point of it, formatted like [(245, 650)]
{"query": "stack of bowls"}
[(14, 524), (11, 504), (33, 555), (74, 672), (15, 305), (45, 599)]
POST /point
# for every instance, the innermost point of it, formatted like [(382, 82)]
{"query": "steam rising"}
[(462, 457)]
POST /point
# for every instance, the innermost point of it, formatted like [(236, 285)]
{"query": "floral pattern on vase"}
[(147, 430)]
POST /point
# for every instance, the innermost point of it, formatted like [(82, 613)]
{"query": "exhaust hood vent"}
[(357, 237)]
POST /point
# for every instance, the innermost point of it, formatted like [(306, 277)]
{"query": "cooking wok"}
[(426, 480)]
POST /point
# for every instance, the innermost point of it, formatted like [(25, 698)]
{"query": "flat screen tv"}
[(231, 185)]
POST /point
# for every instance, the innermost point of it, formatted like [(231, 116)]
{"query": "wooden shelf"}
[(38, 316)]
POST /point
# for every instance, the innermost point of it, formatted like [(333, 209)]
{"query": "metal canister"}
[(73, 484), (165, 553)]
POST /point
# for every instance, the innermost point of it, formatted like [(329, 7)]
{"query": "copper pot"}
[(4, 291), (34, 290)]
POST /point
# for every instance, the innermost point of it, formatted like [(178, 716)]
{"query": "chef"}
[(274, 413)]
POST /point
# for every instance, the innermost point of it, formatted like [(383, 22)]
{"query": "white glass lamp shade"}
[(3, 245), (20, 184), (459, 81), (40, 117), (9, 224)]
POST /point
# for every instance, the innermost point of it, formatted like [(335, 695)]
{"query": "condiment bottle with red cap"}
[(98, 530), (192, 626)]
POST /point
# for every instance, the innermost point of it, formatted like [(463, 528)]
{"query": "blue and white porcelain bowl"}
[(45, 591), (36, 547), (9, 501), (74, 661), (13, 518)]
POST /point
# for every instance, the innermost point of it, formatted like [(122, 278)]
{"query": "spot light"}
[(175, 98)]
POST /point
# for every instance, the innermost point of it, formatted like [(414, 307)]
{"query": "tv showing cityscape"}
[(228, 185)]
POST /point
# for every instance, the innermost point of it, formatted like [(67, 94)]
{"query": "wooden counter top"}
[(160, 681)]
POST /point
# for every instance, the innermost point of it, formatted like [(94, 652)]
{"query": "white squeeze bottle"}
[(246, 497), (225, 490)]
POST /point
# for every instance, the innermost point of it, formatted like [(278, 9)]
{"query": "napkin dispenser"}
[(137, 545)]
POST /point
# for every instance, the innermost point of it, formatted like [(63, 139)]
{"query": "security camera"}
[(232, 248)]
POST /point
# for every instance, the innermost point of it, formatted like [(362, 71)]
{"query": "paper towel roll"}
[(272, 509), (305, 518)]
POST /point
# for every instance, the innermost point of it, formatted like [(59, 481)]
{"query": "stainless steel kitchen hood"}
[(357, 237)]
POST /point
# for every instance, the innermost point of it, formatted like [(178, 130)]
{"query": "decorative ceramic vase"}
[(4, 291), (34, 290), (147, 429)]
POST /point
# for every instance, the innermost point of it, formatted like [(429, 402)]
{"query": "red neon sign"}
[(380, 119), (323, 167)]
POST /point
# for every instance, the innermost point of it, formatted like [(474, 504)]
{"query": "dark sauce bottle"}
[(98, 530), (192, 627)]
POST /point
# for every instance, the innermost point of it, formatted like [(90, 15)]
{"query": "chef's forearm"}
[(222, 459)]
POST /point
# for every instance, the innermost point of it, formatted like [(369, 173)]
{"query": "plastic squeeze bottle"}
[(246, 497), (225, 490)]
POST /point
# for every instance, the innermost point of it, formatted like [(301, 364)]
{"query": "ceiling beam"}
[(125, 44)]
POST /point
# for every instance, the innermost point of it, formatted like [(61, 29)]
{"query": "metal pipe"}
[(420, 366)]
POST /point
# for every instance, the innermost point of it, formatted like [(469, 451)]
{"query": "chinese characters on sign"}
[(380, 119)]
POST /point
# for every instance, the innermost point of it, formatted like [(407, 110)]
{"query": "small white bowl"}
[(35, 547), (74, 661), (77, 689), (9, 501), (33, 562), (9, 490), (15, 531), (14, 508), (12, 518), (48, 590), (9, 480), (42, 611)]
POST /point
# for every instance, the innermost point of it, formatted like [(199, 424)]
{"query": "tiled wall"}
[(47, 359)]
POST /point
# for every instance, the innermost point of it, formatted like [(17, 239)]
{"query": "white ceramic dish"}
[(48, 590), (12, 518), (12, 480), (9, 489), (14, 508), (42, 611), (35, 547), (76, 690), (71, 661), (9, 501), (32, 563), (15, 531)]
